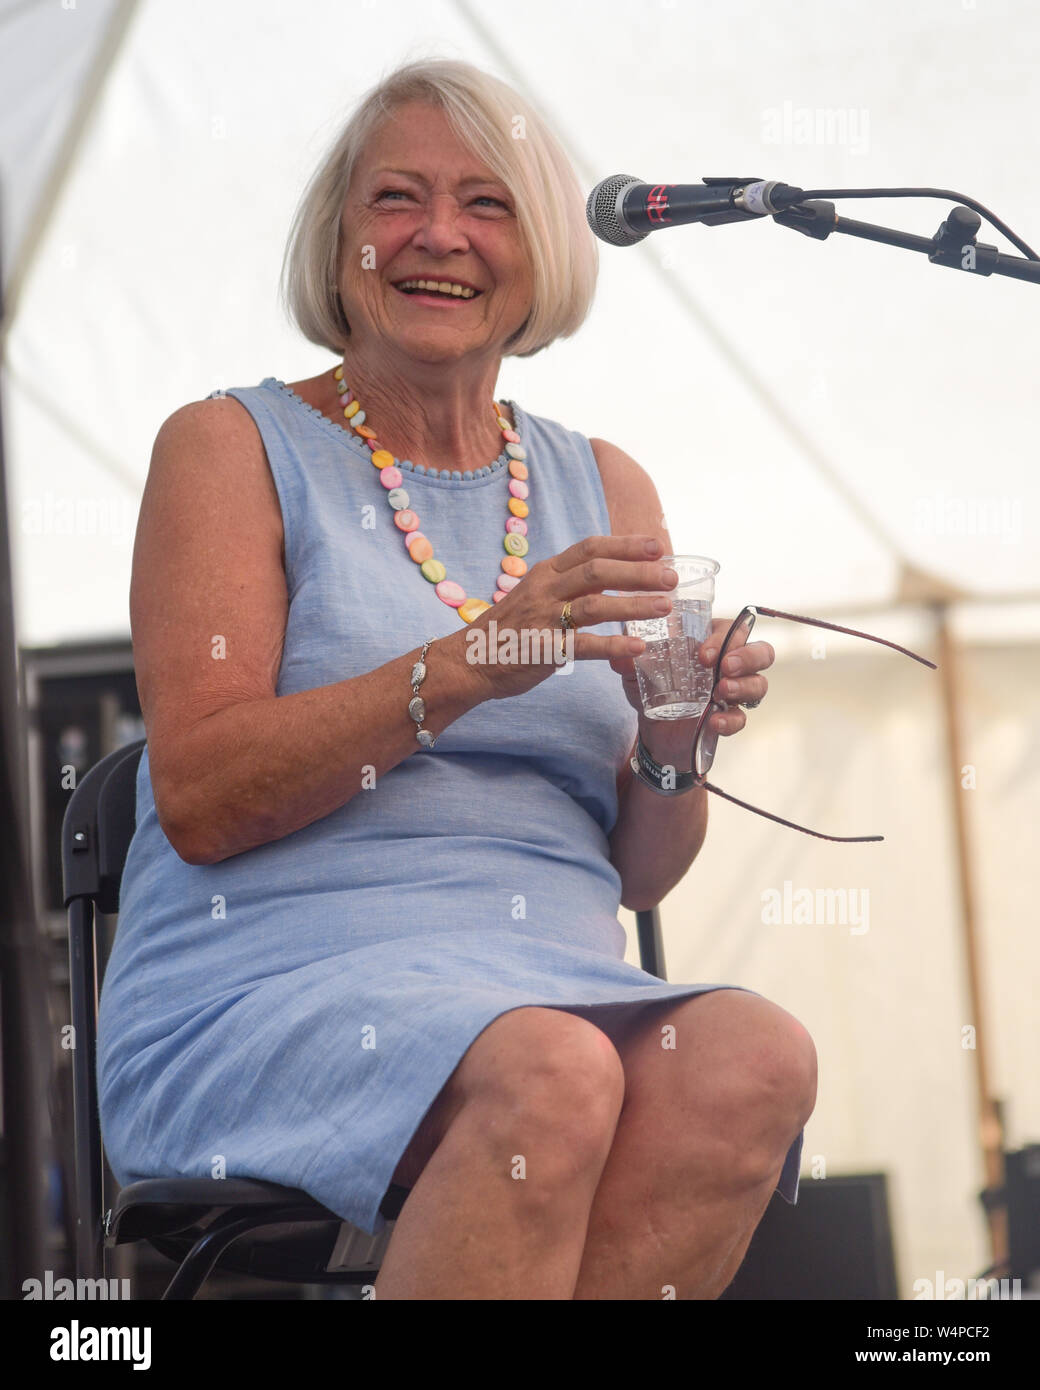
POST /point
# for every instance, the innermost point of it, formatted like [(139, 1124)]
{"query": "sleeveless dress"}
[(292, 1012)]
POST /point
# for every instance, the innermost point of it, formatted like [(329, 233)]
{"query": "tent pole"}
[(991, 1131)]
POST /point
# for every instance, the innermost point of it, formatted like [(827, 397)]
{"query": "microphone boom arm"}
[(953, 245)]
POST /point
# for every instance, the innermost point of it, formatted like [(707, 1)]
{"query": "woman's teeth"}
[(439, 287)]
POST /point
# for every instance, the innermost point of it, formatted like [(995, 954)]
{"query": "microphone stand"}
[(953, 245)]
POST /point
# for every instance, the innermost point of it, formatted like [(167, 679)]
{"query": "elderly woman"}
[(369, 926)]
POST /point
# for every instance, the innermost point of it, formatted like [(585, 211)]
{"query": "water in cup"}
[(672, 682)]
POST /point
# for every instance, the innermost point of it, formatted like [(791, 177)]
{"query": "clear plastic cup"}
[(673, 684)]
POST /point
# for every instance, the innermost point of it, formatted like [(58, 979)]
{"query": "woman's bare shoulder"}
[(213, 417), (212, 447)]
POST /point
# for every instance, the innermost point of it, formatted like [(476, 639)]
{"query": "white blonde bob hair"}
[(507, 135)]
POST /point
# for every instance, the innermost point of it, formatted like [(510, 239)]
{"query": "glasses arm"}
[(714, 707), (849, 631), (844, 839)]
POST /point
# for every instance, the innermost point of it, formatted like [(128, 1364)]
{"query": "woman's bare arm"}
[(234, 765), (655, 838)]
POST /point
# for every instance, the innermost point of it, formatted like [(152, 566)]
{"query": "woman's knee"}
[(532, 1073), (790, 1065), (550, 1072), (766, 1078), (775, 1089)]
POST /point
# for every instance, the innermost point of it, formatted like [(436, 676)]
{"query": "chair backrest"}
[(95, 836), (98, 827)]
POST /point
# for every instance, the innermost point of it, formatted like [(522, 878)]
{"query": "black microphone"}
[(621, 210)]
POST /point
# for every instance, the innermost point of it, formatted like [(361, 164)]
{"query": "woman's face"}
[(421, 206)]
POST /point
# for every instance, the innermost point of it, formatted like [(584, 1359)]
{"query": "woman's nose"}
[(439, 230)]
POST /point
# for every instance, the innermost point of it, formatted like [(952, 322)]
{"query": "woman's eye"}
[(403, 193)]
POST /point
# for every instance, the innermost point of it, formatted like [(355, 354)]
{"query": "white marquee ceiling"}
[(814, 414)]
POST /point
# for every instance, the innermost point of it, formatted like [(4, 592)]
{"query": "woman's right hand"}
[(534, 607)]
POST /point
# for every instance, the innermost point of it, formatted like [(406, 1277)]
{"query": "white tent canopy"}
[(842, 425)]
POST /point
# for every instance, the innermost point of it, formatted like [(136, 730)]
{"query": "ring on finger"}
[(569, 625)]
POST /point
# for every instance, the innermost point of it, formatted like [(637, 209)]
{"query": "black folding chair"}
[(256, 1228)]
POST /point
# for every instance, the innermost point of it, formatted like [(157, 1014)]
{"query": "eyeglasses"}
[(703, 754)]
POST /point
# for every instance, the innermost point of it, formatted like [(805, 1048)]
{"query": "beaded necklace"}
[(419, 548)]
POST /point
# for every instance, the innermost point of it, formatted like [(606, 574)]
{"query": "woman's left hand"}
[(740, 679)]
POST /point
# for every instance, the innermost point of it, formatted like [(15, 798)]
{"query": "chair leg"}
[(198, 1264)]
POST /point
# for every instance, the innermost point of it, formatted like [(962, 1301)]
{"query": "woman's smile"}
[(438, 293)]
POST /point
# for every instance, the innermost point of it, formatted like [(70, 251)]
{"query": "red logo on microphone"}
[(657, 203)]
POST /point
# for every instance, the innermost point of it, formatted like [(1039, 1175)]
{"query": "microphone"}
[(622, 211)]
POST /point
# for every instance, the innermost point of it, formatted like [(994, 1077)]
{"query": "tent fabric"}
[(841, 424), (851, 745)]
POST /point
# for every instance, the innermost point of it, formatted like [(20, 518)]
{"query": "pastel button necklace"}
[(419, 548)]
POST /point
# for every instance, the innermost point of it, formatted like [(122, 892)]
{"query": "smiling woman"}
[(509, 167), (418, 974), (420, 211)]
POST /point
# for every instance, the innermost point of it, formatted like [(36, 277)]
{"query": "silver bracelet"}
[(417, 705)]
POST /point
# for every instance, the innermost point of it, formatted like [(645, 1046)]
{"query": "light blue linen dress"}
[(291, 1012)]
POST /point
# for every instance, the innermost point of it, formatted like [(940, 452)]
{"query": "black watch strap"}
[(653, 774)]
